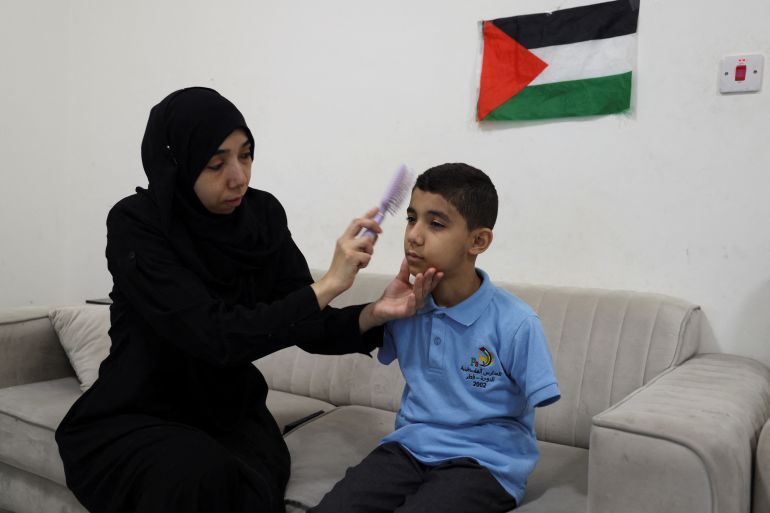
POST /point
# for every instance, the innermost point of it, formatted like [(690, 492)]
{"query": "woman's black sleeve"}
[(341, 332), (174, 301)]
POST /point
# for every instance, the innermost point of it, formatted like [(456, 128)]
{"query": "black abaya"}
[(177, 420)]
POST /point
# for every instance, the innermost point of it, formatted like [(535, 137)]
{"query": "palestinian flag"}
[(572, 62)]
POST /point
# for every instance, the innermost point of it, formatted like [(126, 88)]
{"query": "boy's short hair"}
[(468, 189)]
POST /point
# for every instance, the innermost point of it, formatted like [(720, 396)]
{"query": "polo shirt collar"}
[(467, 311)]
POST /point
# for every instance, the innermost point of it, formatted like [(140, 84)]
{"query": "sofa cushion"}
[(324, 448), (83, 333), (287, 408), (24, 492), (559, 483), (29, 415), (29, 348)]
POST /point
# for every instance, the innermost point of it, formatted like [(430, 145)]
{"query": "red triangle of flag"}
[(506, 69)]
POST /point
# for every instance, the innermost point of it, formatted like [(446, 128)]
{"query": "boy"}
[(476, 364)]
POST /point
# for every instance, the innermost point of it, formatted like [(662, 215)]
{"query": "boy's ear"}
[(481, 239)]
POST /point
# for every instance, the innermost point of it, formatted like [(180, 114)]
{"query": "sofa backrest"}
[(29, 348), (605, 344)]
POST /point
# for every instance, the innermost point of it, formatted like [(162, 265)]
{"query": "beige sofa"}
[(645, 423)]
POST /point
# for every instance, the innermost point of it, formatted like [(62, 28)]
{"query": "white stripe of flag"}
[(587, 59)]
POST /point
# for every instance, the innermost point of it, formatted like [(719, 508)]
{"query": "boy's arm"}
[(532, 366), (387, 352)]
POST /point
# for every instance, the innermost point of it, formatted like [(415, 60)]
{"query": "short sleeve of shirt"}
[(387, 352), (531, 365)]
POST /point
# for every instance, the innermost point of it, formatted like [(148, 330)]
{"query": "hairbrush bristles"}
[(399, 186)]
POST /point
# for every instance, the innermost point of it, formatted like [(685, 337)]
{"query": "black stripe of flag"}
[(598, 21)]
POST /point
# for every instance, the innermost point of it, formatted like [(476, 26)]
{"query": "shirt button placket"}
[(436, 350)]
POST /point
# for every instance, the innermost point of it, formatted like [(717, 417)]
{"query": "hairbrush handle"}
[(378, 218)]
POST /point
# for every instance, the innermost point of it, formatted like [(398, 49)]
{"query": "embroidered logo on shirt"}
[(485, 358), (477, 373)]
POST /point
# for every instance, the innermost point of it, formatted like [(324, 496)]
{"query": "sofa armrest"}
[(683, 443), (29, 348), (761, 502)]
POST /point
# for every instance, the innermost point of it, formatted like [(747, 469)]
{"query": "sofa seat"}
[(322, 451), (29, 415), (22, 491), (287, 408), (559, 483)]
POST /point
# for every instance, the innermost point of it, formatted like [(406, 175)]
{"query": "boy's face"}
[(436, 235)]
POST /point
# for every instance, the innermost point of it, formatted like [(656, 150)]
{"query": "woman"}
[(206, 280)]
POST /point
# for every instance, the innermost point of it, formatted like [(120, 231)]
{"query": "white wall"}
[(671, 199), (33, 147)]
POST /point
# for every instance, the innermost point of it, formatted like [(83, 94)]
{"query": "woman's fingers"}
[(403, 272), (356, 249), (356, 252), (361, 223), (424, 283), (432, 277), (351, 254), (365, 244)]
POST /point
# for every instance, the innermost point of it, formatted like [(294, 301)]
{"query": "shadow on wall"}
[(708, 341), (753, 324)]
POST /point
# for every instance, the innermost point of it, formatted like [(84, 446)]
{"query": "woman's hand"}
[(401, 298), (351, 254)]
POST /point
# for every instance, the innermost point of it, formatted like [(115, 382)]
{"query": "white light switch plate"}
[(741, 73)]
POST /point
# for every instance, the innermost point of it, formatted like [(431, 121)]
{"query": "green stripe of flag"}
[(587, 97)]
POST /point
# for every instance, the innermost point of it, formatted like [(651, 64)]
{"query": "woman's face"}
[(223, 182)]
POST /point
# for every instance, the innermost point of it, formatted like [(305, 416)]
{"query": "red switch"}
[(740, 73)]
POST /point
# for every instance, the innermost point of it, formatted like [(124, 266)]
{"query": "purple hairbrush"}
[(398, 187)]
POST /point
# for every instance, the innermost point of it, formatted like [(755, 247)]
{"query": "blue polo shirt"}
[(474, 374)]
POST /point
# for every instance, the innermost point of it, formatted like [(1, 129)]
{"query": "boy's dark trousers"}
[(391, 480)]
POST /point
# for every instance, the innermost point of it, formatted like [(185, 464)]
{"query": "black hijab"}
[(183, 132)]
